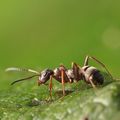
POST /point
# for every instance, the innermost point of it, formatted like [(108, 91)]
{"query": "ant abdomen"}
[(92, 73), (98, 77)]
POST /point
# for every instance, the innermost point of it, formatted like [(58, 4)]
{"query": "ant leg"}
[(63, 82), (50, 87), (86, 61), (75, 66), (76, 69), (91, 82), (99, 62)]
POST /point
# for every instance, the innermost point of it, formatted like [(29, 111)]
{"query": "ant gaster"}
[(89, 74)]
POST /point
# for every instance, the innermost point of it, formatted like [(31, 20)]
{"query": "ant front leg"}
[(99, 62)]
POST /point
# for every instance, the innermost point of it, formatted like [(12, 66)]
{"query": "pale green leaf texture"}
[(27, 101)]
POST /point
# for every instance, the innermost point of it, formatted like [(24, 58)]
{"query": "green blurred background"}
[(45, 33)]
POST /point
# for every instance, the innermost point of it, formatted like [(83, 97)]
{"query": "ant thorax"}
[(57, 72), (70, 73)]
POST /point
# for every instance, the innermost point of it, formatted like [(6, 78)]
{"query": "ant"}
[(89, 74)]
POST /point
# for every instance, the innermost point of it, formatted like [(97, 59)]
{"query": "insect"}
[(91, 75)]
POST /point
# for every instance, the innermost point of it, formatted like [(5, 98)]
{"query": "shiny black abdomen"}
[(98, 77)]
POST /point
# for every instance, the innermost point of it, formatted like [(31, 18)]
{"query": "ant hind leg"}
[(86, 60), (91, 82)]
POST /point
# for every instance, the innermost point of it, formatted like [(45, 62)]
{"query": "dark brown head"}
[(45, 76)]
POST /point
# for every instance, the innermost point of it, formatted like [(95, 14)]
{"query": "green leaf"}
[(28, 101)]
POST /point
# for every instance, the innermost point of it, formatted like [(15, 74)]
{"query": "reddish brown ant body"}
[(89, 74)]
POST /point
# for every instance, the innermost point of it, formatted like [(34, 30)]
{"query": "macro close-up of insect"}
[(91, 75), (59, 60)]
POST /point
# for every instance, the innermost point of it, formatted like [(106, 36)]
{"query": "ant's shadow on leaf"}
[(59, 93)]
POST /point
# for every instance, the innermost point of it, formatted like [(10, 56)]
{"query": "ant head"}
[(45, 76)]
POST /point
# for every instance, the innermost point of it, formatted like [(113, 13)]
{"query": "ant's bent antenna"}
[(24, 79), (21, 69)]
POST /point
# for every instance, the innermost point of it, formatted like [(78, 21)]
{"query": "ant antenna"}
[(24, 79), (21, 69)]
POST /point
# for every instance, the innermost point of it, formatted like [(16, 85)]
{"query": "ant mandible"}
[(89, 74)]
